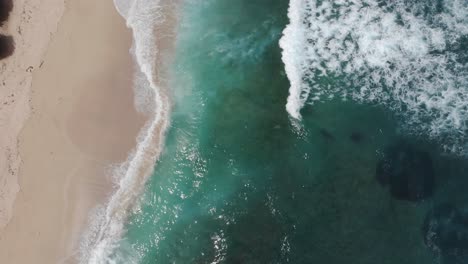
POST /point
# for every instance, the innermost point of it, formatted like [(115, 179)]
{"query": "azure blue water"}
[(311, 131)]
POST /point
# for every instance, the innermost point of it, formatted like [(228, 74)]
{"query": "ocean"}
[(301, 131)]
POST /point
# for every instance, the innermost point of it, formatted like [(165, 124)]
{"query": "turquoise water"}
[(239, 181)]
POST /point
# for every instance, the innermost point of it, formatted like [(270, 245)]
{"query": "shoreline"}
[(82, 124), (153, 46)]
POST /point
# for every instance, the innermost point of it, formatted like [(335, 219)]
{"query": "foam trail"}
[(407, 55), (293, 46), (143, 17)]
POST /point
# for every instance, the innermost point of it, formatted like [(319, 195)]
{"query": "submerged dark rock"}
[(326, 134), (356, 137), (5, 8), (7, 46), (407, 171), (445, 232)]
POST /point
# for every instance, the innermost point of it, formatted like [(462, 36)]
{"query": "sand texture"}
[(82, 121), (31, 24)]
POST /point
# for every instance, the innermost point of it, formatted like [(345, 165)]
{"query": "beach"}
[(31, 32), (82, 123), (220, 131)]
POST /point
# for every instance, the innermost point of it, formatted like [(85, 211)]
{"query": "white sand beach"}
[(82, 120)]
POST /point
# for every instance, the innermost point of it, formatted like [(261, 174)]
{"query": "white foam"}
[(391, 54), (143, 17), (293, 44)]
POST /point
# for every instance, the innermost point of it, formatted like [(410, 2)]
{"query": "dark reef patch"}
[(356, 137), (327, 135), (407, 171), (7, 46), (5, 8), (445, 232)]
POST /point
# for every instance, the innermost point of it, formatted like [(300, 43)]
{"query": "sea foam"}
[(407, 55), (107, 227)]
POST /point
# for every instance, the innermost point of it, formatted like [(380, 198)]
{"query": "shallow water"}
[(240, 181)]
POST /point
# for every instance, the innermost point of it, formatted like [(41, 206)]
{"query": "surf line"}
[(107, 229)]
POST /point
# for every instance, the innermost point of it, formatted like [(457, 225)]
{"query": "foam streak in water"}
[(293, 45)]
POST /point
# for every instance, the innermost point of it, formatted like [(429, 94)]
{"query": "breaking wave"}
[(408, 55)]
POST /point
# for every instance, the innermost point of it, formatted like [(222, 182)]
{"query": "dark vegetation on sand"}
[(7, 44), (5, 8)]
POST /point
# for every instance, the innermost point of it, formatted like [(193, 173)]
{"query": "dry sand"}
[(82, 120), (31, 24)]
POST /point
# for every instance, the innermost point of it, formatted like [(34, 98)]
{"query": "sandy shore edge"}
[(82, 121), (156, 41)]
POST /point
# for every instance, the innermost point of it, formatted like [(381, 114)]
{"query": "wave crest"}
[(407, 55)]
